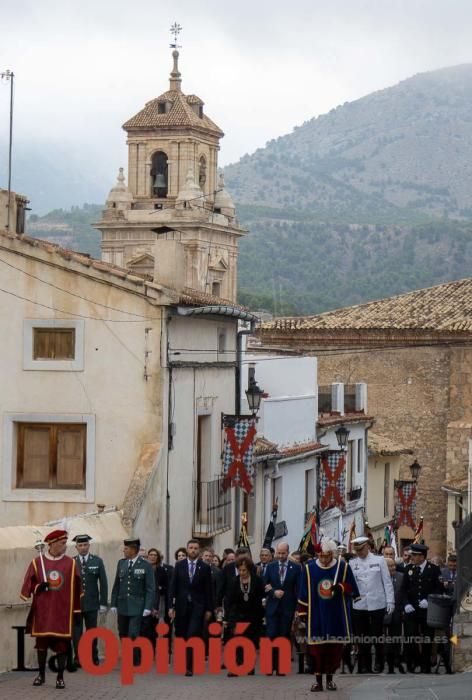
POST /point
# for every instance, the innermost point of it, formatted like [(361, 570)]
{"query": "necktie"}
[(83, 562), (130, 564), (192, 569), (282, 572)]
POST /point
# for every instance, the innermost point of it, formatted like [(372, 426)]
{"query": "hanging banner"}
[(238, 469), (332, 480), (405, 504)]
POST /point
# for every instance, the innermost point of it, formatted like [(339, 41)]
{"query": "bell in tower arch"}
[(159, 174)]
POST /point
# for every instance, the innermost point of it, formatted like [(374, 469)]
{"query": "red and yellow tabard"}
[(52, 610)]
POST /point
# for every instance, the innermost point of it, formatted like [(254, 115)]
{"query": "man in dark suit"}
[(281, 587), (191, 597), (421, 578), (134, 591), (265, 559), (95, 597)]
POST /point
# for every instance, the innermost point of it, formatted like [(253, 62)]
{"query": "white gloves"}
[(146, 613), (114, 610), (103, 608), (409, 609), (423, 603), (390, 608)]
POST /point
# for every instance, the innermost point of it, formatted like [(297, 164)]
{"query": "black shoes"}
[(39, 680)]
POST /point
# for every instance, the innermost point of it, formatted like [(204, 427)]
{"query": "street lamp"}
[(342, 436), (8, 75), (415, 469), (254, 393)]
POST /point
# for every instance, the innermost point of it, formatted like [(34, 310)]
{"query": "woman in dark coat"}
[(244, 603)]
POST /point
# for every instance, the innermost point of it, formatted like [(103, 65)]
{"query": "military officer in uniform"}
[(376, 598), (133, 592), (95, 588), (420, 580)]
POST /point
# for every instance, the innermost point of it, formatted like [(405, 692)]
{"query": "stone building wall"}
[(409, 397)]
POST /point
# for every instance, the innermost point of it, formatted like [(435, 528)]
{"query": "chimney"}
[(169, 264)]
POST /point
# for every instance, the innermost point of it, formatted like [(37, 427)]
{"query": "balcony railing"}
[(211, 508), (324, 399)]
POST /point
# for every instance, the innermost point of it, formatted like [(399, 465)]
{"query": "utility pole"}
[(9, 75)]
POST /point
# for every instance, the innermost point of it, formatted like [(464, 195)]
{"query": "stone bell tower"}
[(173, 192)]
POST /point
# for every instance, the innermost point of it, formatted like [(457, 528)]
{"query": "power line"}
[(74, 294)]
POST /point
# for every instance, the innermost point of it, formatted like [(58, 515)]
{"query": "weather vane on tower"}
[(175, 31)]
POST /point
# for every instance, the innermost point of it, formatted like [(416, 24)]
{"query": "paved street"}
[(81, 686)]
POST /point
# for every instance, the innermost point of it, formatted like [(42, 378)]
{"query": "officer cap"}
[(81, 539), (132, 543), (359, 542), (418, 549)]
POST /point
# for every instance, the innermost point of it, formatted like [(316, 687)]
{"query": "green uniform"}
[(95, 594), (133, 592)]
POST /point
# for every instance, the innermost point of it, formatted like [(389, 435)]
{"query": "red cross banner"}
[(238, 470), (332, 480), (405, 504)]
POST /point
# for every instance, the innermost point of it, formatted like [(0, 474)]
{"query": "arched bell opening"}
[(159, 174), (202, 174)]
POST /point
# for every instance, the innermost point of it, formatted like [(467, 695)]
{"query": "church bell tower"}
[(173, 192)]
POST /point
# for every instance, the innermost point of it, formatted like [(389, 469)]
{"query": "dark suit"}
[(418, 586), (191, 598), (393, 623), (95, 588), (280, 611)]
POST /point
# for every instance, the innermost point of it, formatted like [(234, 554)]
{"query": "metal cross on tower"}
[(175, 31)]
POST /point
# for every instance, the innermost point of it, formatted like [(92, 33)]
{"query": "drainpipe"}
[(239, 362)]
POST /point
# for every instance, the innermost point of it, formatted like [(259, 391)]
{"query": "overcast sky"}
[(262, 66)]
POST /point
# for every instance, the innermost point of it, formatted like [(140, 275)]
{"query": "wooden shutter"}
[(70, 471), (34, 456), (53, 343)]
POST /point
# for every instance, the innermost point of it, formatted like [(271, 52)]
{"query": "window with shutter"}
[(51, 456), (53, 343)]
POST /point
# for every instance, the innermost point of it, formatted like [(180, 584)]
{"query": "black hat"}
[(81, 539), (132, 543), (418, 549)]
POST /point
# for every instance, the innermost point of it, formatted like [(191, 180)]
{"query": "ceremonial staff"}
[(39, 546)]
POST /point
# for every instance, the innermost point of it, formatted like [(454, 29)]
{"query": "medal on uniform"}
[(245, 590)]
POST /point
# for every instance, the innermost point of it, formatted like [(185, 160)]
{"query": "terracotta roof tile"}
[(193, 297), (445, 307), (180, 114), (326, 420), (300, 448), (381, 445), (262, 446)]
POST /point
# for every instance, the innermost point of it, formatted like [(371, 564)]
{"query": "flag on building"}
[(238, 468), (405, 504), (332, 480)]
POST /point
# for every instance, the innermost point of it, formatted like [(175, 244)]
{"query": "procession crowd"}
[(334, 607)]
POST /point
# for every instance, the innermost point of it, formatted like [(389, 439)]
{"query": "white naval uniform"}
[(374, 582)]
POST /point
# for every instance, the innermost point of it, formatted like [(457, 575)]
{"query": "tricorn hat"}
[(132, 543), (81, 539)]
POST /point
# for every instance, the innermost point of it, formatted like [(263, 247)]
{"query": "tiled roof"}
[(446, 307), (262, 447), (456, 484), (327, 420), (193, 297), (180, 114), (381, 445), (188, 297), (300, 448)]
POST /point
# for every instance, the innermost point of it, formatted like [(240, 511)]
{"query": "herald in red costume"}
[(52, 611)]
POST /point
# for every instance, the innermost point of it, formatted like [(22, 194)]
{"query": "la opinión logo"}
[(238, 655)]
